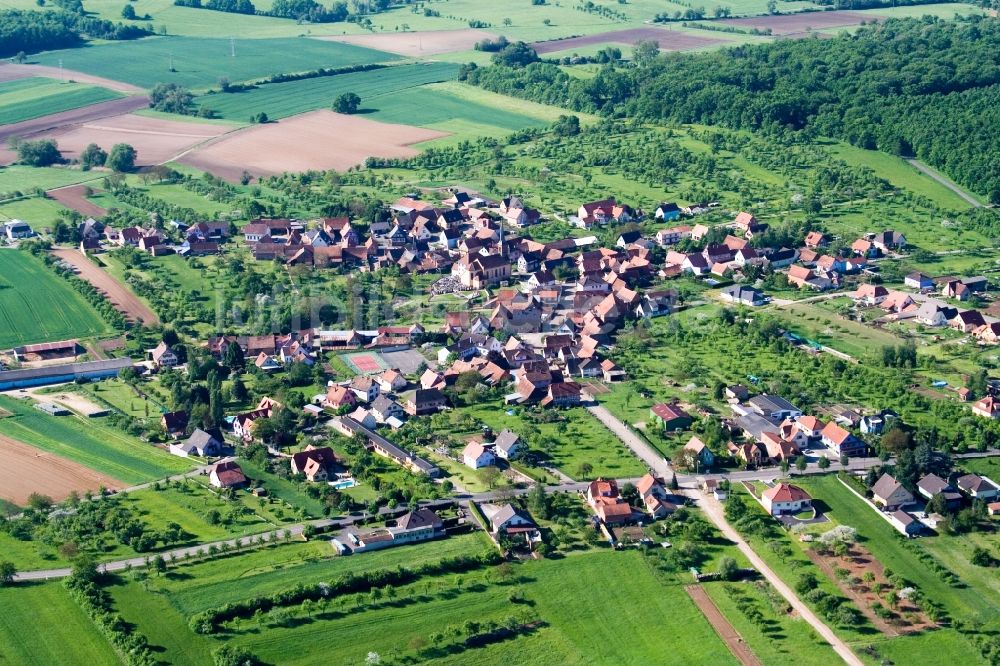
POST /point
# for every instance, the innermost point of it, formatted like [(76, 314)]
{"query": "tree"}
[(347, 103), (801, 463), (824, 462), (566, 126), (43, 152), (728, 569), (645, 52), (93, 156), (231, 655), (121, 158), (239, 391), (128, 12), (517, 54), (7, 571), (170, 98), (39, 502)]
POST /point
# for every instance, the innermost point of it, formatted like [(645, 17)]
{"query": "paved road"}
[(713, 510), (947, 183)]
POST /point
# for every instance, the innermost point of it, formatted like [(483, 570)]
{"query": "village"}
[(508, 409)]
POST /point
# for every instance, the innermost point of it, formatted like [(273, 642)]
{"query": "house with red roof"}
[(670, 416), (841, 441), (784, 498)]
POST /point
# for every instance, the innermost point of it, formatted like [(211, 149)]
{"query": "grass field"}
[(91, 442), (36, 305), (69, 636), (580, 439), (782, 639), (279, 100), (663, 628), (898, 172), (199, 63), (41, 212), (121, 396), (24, 99), (24, 179)]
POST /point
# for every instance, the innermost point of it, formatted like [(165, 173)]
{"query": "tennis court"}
[(365, 363)]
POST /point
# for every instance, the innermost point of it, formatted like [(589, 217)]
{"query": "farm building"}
[(46, 351), (61, 374)]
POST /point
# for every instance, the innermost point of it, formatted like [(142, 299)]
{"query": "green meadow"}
[(594, 607), (36, 305)]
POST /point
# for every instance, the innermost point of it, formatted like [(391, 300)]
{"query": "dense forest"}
[(32, 31), (924, 87)]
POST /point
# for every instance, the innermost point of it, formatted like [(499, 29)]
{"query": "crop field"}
[(446, 108), (90, 442), (61, 634), (199, 63), (38, 306), (279, 100), (665, 628), (24, 99)]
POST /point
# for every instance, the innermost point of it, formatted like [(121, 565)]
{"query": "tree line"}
[(300, 10), (32, 31), (890, 86)]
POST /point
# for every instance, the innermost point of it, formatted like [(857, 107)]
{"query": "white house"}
[(785, 498), (890, 493), (476, 455), (508, 445)]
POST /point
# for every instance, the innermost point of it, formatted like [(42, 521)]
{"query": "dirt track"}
[(123, 299), (72, 197), (25, 470), (722, 626), (58, 121)]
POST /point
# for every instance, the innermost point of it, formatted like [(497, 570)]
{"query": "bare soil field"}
[(59, 121), (155, 140), (416, 44), (73, 197), (10, 71), (123, 299), (669, 40), (316, 140), (25, 470), (790, 24), (722, 626)]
